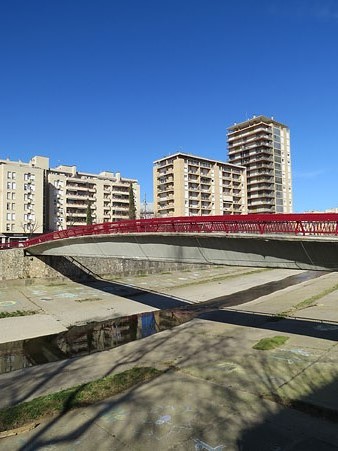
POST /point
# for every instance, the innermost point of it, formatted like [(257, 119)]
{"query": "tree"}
[(30, 227), (132, 207), (89, 217)]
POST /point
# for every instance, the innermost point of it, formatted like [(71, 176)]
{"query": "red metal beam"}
[(305, 224)]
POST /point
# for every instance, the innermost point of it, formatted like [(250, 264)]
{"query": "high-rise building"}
[(188, 185), (35, 198), (262, 145)]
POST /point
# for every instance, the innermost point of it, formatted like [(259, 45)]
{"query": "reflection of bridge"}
[(280, 240)]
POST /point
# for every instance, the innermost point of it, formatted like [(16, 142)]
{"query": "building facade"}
[(35, 199), (188, 185), (71, 193), (262, 145), (22, 191)]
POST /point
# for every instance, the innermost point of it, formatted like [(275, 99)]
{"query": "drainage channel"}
[(99, 336)]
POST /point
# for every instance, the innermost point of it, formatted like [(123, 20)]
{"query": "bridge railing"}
[(312, 224)]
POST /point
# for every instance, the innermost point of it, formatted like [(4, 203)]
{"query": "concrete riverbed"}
[(218, 392)]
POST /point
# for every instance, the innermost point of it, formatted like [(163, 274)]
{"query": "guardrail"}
[(305, 224)]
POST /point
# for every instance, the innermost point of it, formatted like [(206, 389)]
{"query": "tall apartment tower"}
[(262, 145), (188, 185)]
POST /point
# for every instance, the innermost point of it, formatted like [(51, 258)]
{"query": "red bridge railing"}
[(305, 224)]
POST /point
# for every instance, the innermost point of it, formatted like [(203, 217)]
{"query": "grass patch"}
[(266, 344), (309, 302), (88, 299), (17, 313), (75, 397)]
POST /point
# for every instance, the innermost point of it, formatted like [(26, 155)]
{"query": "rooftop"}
[(255, 120)]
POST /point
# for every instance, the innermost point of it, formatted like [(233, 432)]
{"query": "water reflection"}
[(100, 336), (86, 339)]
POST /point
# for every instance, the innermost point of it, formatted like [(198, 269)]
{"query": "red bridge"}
[(301, 241), (304, 224)]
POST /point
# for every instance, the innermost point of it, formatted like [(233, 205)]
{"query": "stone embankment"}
[(14, 264)]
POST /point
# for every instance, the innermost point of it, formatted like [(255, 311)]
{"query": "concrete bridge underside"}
[(318, 253)]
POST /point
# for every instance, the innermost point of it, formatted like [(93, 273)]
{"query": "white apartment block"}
[(262, 145), (188, 185), (35, 199)]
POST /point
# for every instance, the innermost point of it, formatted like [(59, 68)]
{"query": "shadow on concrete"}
[(76, 271), (300, 326), (222, 408), (207, 399)]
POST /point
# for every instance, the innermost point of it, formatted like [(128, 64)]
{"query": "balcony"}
[(248, 131), (193, 186), (165, 181), (261, 202), (168, 207), (261, 195), (205, 188), (261, 187)]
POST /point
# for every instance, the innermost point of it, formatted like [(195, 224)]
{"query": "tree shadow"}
[(208, 397), (216, 390)]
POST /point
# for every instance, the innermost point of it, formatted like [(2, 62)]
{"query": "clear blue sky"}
[(115, 85)]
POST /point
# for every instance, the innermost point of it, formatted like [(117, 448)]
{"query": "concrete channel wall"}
[(14, 264)]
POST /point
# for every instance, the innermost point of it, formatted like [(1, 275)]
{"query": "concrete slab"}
[(288, 297), (213, 289), (180, 413), (25, 327), (216, 395)]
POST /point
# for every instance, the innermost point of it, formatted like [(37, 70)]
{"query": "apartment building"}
[(188, 185), (35, 198), (22, 197), (262, 145), (70, 193)]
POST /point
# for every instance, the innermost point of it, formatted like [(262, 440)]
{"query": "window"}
[(13, 185), (13, 216), (9, 185), (8, 206), (13, 196), (8, 216), (9, 174), (9, 196)]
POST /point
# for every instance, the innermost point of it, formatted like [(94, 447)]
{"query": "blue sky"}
[(115, 85)]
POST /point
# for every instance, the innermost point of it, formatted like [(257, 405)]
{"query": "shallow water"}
[(108, 334)]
